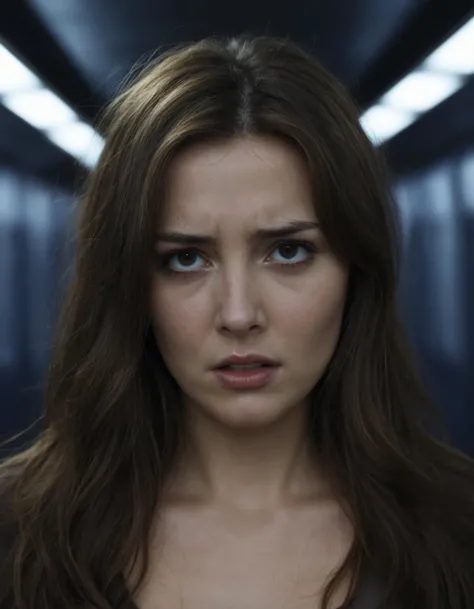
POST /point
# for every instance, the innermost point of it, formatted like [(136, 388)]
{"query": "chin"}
[(248, 421), (247, 412)]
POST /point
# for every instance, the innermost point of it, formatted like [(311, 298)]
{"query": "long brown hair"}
[(79, 501)]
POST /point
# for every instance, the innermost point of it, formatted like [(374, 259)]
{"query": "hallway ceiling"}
[(84, 48)]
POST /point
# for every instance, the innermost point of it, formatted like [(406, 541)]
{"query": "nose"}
[(239, 305)]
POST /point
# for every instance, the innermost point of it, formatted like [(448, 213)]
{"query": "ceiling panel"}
[(104, 38), (84, 48), (28, 150)]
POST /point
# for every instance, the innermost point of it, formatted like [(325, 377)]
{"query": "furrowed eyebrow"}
[(262, 233)]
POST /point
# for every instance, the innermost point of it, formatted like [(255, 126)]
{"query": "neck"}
[(262, 468)]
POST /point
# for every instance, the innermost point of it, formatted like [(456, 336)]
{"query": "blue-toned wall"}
[(34, 218), (436, 291), (437, 284)]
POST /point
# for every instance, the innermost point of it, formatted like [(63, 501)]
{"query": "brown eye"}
[(292, 253), (180, 261), (288, 250), (186, 258)]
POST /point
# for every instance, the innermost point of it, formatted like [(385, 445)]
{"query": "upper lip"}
[(251, 358)]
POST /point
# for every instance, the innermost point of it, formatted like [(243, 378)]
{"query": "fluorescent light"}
[(381, 122), (22, 92), (78, 139), (14, 75), (456, 55), (433, 81), (421, 91), (40, 107)]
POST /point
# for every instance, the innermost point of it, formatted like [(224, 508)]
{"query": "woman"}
[(232, 418)]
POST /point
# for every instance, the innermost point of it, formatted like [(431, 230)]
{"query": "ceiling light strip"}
[(434, 80), (24, 94)]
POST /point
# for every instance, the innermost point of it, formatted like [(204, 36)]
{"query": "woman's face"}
[(242, 291)]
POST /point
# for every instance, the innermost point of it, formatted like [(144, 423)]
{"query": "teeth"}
[(245, 366)]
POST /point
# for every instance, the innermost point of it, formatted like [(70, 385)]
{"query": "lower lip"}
[(246, 379)]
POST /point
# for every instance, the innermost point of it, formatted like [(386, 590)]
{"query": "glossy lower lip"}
[(246, 379)]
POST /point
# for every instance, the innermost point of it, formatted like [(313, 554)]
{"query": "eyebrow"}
[(262, 233)]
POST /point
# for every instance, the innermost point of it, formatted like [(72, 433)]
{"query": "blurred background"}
[(408, 63)]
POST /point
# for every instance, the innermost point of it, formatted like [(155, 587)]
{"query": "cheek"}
[(312, 319), (177, 324)]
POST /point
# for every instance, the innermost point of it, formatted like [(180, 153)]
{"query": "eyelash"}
[(165, 258)]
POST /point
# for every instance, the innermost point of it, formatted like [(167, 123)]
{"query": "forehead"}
[(251, 179)]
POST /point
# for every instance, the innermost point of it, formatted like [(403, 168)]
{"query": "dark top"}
[(369, 597)]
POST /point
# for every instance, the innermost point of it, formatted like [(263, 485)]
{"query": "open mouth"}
[(245, 366)]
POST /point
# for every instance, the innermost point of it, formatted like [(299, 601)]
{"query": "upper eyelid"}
[(198, 249), (167, 255)]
